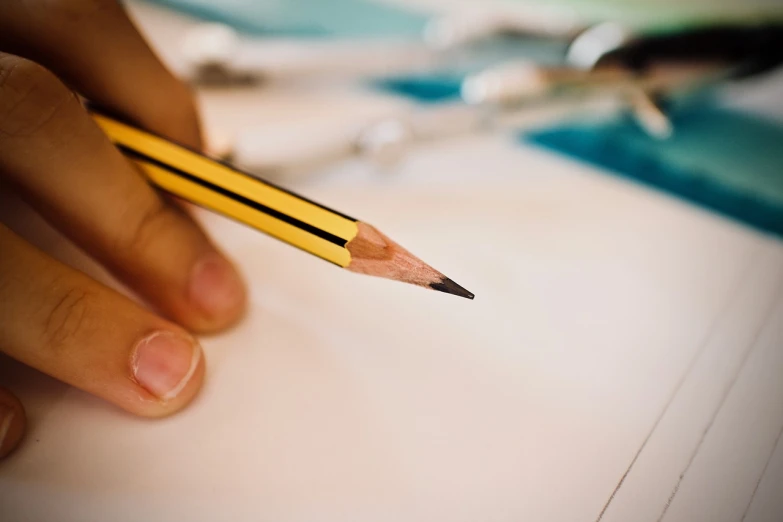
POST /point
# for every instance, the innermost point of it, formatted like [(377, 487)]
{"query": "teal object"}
[(727, 161), (425, 89), (310, 18)]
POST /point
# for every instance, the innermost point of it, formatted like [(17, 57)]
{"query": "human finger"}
[(95, 48), (61, 322), (57, 157)]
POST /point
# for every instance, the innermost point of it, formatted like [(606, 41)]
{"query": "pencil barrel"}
[(239, 196)]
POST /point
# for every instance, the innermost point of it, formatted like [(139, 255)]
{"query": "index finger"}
[(94, 47)]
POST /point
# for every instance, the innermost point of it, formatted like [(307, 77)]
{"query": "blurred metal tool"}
[(517, 83), (642, 71), (217, 54), (294, 152), (517, 96), (512, 86)]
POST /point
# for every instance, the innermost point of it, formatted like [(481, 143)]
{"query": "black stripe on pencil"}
[(238, 198)]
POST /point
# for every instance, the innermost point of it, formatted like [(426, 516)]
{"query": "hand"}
[(53, 317)]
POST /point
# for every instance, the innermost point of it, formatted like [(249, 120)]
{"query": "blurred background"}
[(684, 96)]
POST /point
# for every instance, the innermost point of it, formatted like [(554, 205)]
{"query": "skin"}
[(53, 317)]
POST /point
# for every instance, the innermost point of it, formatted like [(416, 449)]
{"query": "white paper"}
[(342, 397)]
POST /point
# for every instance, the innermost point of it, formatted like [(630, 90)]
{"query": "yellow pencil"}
[(324, 232)]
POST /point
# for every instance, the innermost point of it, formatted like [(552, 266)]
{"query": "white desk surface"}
[(622, 361)]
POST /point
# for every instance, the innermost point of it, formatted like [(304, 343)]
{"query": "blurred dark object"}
[(746, 50)]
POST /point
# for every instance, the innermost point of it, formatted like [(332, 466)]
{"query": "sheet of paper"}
[(616, 333)]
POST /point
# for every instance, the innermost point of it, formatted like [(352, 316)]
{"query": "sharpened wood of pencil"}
[(300, 222)]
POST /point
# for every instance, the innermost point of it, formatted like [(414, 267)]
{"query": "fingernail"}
[(6, 418), (215, 286), (164, 362)]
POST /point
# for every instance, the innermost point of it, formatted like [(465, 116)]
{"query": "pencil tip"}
[(450, 287)]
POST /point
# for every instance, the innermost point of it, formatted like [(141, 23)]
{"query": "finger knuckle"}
[(143, 227), (30, 97), (68, 318)]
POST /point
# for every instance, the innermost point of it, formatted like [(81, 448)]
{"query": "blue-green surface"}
[(727, 161), (423, 89)]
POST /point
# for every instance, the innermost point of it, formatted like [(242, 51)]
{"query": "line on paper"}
[(763, 473), (753, 344), (703, 345)]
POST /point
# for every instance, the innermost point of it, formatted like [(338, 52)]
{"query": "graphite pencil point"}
[(374, 254), (450, 287)]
